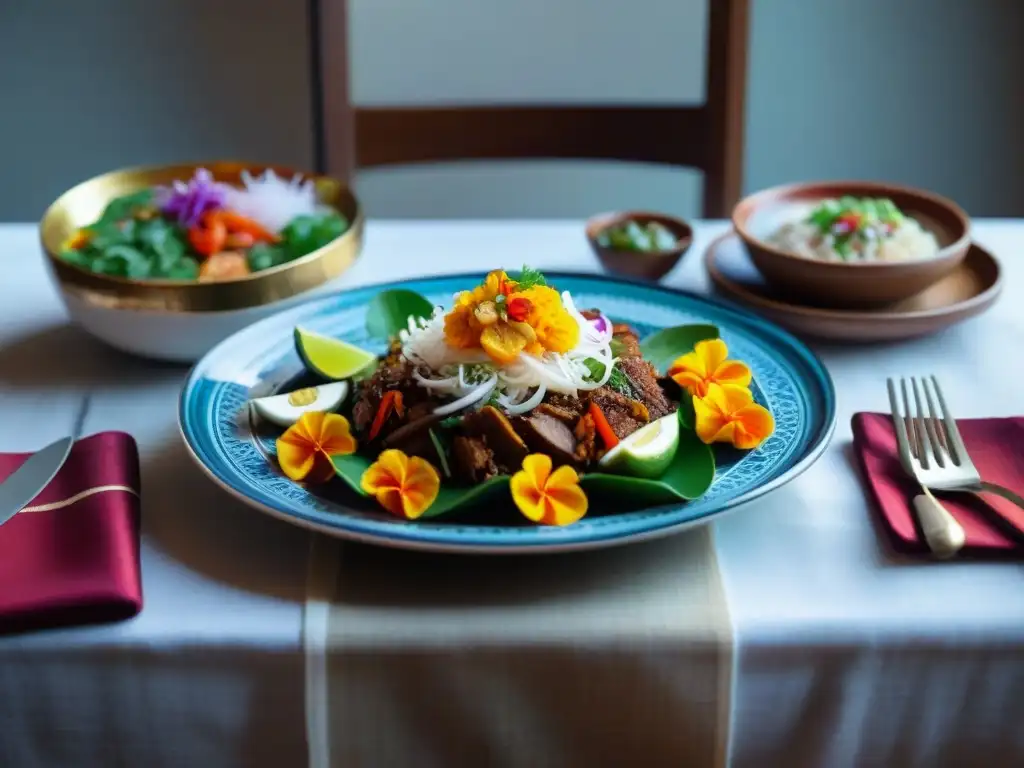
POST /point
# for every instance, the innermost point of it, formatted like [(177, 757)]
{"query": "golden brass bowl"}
[(82, 205)]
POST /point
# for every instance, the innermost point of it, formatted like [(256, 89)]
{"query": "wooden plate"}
[(967, 291)]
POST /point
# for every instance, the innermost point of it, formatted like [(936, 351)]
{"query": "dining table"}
[(842, 652)]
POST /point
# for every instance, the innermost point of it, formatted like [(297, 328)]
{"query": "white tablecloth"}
[(847, 656)]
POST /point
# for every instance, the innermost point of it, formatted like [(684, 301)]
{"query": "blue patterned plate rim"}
[(199, 430)]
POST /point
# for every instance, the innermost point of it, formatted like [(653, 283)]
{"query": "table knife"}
[(28, 480)]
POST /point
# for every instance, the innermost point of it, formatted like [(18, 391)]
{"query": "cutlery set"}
[(932, 451), (29, 480)]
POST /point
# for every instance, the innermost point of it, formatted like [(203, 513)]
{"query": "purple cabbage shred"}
[(601, 324), (187, 203)]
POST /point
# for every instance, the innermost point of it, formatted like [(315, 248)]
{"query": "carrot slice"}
[(604, 429), (392, 401), (237, 223)]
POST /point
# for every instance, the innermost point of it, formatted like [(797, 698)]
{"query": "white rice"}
[(908, 241)]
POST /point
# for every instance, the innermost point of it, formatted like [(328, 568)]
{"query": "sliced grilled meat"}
[(624, 415), (501, 438), (643, 377), (586, 439), (413, 437), (576, 407), (473, 461), (546, 434), (562, 414), (393, 373)]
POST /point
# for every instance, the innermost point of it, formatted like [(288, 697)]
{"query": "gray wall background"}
[(925, 92)]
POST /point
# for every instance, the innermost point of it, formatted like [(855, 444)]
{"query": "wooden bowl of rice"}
[(179, 320), (769, 224)]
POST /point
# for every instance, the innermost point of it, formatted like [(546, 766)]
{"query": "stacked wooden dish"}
[(854, 261)]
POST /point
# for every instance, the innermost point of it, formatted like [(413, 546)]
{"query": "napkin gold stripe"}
[(78, 497), (615, 657)]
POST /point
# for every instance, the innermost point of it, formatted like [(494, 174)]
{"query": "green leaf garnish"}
[(389, 311), (688, 477), (663, 347), (617, 346), (617, 380), (529, 277), (442, 453)]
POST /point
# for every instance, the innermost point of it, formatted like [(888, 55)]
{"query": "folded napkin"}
[(72, 555), (993, 526)]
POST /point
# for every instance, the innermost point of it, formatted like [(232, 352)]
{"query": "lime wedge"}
[(648, 452), (331, 358)]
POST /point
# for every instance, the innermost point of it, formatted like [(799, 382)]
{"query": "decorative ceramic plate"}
[(260, 360)]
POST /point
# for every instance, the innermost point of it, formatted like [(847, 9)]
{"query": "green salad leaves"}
[(137, 237), (302, 235), (128, 240)]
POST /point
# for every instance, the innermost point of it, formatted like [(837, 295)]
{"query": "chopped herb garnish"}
[(442, 454), (634, 236), (617, 380), (529, 278), (621, 383)]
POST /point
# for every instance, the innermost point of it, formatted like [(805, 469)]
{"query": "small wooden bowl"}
[(645, 265), (850, 284)]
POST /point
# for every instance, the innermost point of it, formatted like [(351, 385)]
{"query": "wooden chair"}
[(708, 137)]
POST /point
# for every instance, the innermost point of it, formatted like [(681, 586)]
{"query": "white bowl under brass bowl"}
[(179, 320)]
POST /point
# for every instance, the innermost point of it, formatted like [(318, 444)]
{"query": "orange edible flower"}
[(304, 451), (546, 497), (728, 414), (405, 486), (707, 364)]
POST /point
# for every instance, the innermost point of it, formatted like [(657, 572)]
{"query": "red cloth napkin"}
[(994, 526), (76, 559)]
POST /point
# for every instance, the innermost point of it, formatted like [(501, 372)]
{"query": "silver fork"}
[(933, 452)]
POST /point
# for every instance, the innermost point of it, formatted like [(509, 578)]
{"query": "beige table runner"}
[(621, 657)]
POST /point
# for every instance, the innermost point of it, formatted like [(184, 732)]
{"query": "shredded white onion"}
[(450, 383), (526, 405), (478, 393), (273, 201)]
